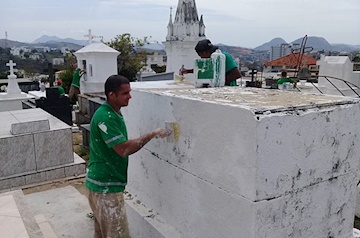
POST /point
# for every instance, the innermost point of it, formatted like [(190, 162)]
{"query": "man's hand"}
[(161, 132)]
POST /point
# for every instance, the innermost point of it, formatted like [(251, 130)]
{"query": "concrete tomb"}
[(35, 147), (249, 163)]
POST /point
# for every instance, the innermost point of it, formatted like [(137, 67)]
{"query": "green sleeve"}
[(112, 130), (229, 62)]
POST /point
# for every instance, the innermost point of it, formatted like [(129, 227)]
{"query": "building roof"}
[(97, 48), (291, 60)]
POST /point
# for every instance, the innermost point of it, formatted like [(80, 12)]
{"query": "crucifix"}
[(90, 36), (11, 64)]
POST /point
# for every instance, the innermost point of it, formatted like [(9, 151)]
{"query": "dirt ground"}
[(78, 183)]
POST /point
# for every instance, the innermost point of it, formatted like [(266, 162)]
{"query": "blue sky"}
[(247, 23)]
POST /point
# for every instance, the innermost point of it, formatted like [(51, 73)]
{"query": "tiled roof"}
[(291, 60)]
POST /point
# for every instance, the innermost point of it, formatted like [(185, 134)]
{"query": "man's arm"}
[(131, 146), (186, 71), (232, 75)]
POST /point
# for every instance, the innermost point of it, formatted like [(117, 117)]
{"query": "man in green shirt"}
[(109, 150), (61, 90), (204, 49), (75, 84), (285, 79)]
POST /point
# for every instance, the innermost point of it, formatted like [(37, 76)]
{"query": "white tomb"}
[(100, 62), (183, 35), (13, 97), (338, 67), (35, 147), (249, 163)]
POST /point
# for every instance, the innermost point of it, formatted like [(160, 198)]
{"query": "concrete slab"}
[(65, 209), (16, 218)]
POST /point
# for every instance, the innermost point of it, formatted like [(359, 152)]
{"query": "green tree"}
[(132, 58)]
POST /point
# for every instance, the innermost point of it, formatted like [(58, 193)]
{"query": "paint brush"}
[(174, 131)]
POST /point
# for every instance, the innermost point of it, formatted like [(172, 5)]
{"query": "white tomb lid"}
[(97, 48)]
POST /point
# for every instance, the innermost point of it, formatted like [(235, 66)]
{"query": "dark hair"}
[(204, 46), (114, 82), (283, 74)]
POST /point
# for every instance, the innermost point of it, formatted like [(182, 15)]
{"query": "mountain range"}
[(317, 43)]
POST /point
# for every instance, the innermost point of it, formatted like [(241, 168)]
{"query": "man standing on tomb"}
[(204, 49), (109, 150), (75, 84)]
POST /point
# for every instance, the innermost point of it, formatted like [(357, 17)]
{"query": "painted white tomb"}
[(35, 147), (249, 163)]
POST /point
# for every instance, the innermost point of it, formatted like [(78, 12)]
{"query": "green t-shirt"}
[(284, 80), (61, 90), (76, 79), (229, 65), (107, 170), (229, 62)]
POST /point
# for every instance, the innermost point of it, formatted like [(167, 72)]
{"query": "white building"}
[(58, 61), (156, 59), (282, 50), (99, 61), (19, 51), (183, 35)]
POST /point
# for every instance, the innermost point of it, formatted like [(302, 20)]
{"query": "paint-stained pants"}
[(73, 92), (109, 215)]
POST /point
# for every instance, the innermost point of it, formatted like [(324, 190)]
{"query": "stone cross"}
[(11, 64), (90, 36)]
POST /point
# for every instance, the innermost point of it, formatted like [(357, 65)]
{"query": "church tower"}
[(183, 34)]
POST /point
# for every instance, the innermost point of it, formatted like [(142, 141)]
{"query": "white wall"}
[(289, 173)]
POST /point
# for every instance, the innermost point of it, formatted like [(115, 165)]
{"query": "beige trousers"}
[(73, 92), (109, 215)]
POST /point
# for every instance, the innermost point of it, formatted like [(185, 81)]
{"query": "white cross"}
[(91, 37), (11, 65)]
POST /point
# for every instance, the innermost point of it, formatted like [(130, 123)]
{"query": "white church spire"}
[(170, 27), (186, 25), (183, 34)]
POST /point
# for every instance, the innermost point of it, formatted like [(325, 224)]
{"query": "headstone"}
[(56, 104), (30, 126), (13, 97), (13, 87)]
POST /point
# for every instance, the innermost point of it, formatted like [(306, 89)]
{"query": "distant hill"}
[(10, 43), (318, 43), (51, 44), (46, 38), (234, 50), (274, 42)]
